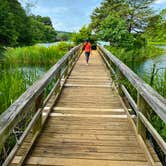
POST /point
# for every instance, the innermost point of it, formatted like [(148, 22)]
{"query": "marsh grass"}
[(36, 55), (18, 71), (149, 51), (13, 82), (159, 84)]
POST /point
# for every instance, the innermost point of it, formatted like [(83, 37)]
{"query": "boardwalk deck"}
[(88, 124)]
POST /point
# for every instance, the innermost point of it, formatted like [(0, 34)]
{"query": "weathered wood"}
[(130, 99), (153, 132), (147, 98), (80, 162), (142, 108), (13, 115), (29, 96), (145, 122), (19, 143), (87, 123), (155, 101)]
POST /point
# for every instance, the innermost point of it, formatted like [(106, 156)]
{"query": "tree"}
[(17, 28), (8, 35), (156, 29), (121, 21), (115, 31), (44, 20), (42, 29), (82, 35), (134, 12)]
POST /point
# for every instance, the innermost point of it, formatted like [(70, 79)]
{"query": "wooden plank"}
[(86, 148), (89, 109), (86, 115), (85, 85), (92, 155), (80, 162)]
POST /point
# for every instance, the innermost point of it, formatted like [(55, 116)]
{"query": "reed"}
[(13, 82), (36, 55), (158, 83)]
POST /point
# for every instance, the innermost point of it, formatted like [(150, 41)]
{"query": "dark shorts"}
[(87, 54)]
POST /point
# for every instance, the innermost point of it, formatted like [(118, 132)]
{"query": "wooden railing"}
[(24, 117), (147, 98)]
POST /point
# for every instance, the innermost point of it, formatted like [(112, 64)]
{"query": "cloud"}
[(160, 1), (68, 15), (50, 10)]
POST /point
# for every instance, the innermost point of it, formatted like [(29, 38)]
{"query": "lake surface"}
[(146, 66), (53, 44)]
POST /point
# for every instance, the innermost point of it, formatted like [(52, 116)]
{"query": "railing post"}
[(58, 79), (70, 62), (142, 108), (66, 69), (38, 105), (120, 78)]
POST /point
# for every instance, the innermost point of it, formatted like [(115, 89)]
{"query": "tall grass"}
[(13, 82), (159, 84), (36, 55), (149, 51)]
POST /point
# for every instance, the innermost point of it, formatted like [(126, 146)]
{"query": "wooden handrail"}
[(155, 100), (32, 99), (147, 96)]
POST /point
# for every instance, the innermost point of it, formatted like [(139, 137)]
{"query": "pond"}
[(53, 44), (145, 67)]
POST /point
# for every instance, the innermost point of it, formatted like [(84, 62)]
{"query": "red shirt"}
[(87, 47)]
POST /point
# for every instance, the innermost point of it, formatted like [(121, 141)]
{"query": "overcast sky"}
[(71, 15)]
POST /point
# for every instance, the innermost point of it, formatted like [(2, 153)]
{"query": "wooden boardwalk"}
[(88, 125)]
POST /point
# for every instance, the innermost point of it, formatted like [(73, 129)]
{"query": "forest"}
[(17, 28)]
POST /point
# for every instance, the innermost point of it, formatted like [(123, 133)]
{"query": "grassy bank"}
[(13, 82), (149, 51), (36, 55)]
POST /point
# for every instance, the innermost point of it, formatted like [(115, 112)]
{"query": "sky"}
[(71, 15)]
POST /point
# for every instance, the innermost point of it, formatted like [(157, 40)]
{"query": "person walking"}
[(87, 49)]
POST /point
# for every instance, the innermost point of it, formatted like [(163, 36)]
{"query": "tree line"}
[(18, 29), (125, 23)]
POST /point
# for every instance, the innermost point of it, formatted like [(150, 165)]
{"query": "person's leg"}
[(87, 54)]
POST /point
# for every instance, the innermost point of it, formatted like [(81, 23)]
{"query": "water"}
[(146, 66), (53, 44)]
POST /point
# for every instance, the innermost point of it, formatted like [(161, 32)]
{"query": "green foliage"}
[(63, 36), (121, 22), (13, 74), (156, 29), (36, 55), (10, 78), (82, 35), (114, 30), (19, 29), (41, 29), (138, 54), (8, 32), (158, 84)]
